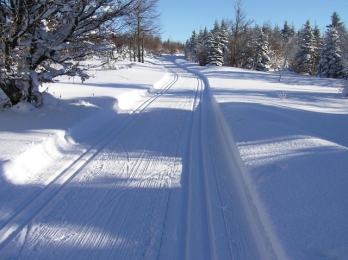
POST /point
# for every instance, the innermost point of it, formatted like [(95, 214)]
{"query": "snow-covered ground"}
[(293, 138), (170, 160)]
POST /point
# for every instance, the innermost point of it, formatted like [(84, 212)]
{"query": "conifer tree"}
[(202, 52), (249, 53), (318, 44), (209, 43), (288, 46), (191, 49), (330, 65), (214, 50), (343, 36), (216, 29), (262, 58), (305, 56), (224, 39), (287, 32), (335, 21)]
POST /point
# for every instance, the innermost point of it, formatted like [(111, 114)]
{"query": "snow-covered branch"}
[(36, 35)]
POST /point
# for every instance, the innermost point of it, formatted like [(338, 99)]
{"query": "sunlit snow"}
[(113, 167)]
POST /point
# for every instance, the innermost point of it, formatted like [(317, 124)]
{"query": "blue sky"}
[(181, 17)]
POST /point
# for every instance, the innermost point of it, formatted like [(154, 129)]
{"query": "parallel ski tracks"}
[(34, 204), (218, 218), (197, 227), (211, 222)]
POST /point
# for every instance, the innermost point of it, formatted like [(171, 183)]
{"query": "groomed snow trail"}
[(162, 182)]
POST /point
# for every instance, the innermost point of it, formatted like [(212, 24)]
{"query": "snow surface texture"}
[(140, 163)]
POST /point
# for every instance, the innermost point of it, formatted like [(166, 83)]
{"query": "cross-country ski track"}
[(164, 181)]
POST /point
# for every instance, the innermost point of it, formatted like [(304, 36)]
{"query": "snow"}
[(294, 149), (170, 160)]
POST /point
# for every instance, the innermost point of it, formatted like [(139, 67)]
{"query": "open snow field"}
[(168, 160)]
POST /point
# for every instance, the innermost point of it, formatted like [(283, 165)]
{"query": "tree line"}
[(239, 44)]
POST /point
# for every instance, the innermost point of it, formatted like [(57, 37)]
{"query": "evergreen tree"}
[(216, 29), (262, 58), (248, 53), (288, 45), (275, 47), (330, 65), (317, 44), (335, 21), (209, 43), (305, 56), (215, 54), (224, 39), (191, 51), (343, 36), (287, 33), (202, 52)]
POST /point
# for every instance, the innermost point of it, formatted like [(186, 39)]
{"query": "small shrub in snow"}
[(282, 95), (110, 65), (129, 66)]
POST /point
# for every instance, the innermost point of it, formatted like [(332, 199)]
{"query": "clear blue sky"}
[(181, 17)]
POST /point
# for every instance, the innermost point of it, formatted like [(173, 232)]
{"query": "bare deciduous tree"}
[(144, 20), (239, 30)]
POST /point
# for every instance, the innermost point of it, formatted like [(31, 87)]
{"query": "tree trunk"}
[(130, 49), (135, 48), (142, 49), (11, 91), (6, 55), (138, 39)]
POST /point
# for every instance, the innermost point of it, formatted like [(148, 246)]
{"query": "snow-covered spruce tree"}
[(343, 37), (330, 65), (287, 33), (191, 48), (305, 56), (288, 45), (224, 39), (318, 44), (262, 58), (248, 53), (274, 46), (216, 29), (215, 53), (42, 39), (202, 51), (209, 41)]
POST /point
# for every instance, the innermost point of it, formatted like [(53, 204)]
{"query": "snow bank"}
[(25, 168), (32, 138)]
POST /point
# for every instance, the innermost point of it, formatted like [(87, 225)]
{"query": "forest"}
[(239, 43)]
